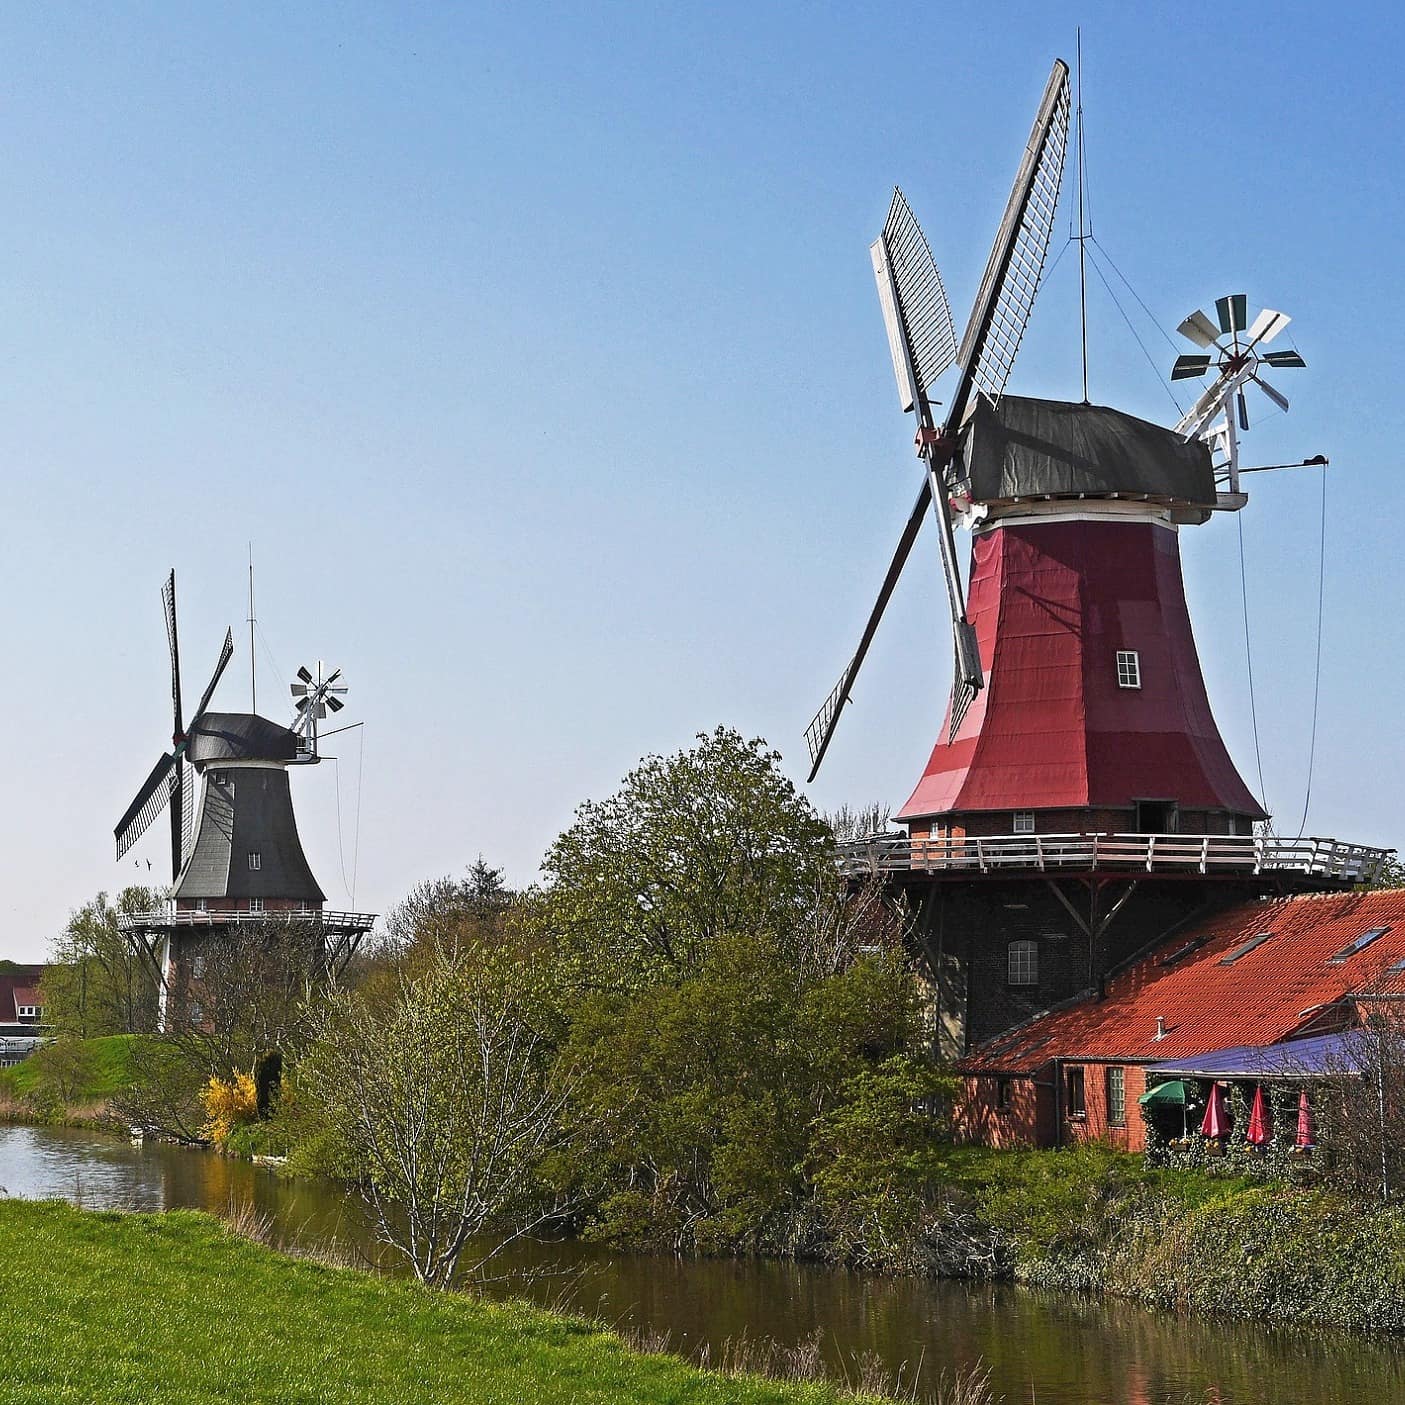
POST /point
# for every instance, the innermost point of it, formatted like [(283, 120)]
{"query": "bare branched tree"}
[(859, 822), (844, 924), (96, 983), (238, 997), (449, 1097), (1360, 1106)]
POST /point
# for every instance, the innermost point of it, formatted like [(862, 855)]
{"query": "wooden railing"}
[(166, 917), (1149, 853)]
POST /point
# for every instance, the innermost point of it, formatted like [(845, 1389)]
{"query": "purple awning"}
[(1320, 1056)]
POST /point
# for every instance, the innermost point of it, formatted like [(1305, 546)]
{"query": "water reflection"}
[(1071, 1350)]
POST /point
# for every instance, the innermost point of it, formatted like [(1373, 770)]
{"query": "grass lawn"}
[(173, 1307), (95, 1068)]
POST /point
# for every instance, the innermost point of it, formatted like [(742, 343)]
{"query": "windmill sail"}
[(165, 786), (921, 336), (903, 269), (1011, 282), (151, 799)]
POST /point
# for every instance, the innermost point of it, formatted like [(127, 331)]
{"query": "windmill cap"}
[(240, 736), (1026, 448)]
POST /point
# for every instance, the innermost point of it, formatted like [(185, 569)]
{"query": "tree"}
[(247, 996), (1391, 874), (1360, 1105), (448, 1099), (441, 914), (703, 1093), (96, 983), (711, 841)]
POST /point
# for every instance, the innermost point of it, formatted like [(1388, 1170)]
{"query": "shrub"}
[(228, 1103)]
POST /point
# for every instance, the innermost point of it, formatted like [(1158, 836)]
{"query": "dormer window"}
[(255, 860), (1129, 669)]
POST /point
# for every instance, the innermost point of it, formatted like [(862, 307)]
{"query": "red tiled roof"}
[(26, 995), (1264, 996)]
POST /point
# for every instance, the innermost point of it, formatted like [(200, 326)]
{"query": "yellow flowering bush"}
[(228, 1103)]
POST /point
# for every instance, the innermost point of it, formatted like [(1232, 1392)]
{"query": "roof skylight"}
[(1244, 948), (1360, 944), (1194, 944)]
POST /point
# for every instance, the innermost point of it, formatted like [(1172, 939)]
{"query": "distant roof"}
[(1027, 448), (26, 995), (1227, 992), (1322, 1054), (15, 979), (240, 736)]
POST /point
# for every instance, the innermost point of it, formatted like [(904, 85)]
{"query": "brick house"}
[(1257, 975), (21, 1011)]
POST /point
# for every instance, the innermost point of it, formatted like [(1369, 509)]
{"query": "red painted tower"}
[(1093, 718)]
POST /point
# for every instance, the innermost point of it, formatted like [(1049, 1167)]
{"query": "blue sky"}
[(535, 350)]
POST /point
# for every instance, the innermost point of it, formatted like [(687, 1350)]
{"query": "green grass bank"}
[(68, 1081), (176, 1308)]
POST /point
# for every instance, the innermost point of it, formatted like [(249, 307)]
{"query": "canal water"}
[(1046, 1348)]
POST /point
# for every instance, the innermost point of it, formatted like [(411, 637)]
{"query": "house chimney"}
[(1160, 1026)]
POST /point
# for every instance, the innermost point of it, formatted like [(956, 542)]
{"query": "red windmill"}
[(1079, 764)]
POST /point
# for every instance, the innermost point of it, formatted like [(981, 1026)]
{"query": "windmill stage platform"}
[(153, 933), (1311, 864), (1008, 925)]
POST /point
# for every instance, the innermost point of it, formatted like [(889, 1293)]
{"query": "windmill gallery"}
[(1078, 813)]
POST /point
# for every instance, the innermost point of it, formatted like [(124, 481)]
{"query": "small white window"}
[(255, 904), (197, 965), (1023, 963), (1024, 821), (1129, 669), (197, 1012), (255, 860), (201, 905)]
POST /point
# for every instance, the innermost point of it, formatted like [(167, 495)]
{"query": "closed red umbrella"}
[(1216, 1120), (1305, 1135), (1260, 1119)]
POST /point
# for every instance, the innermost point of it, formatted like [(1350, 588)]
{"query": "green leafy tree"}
[(704, 1093), (693, 847), (96, 983), (1391, 874)]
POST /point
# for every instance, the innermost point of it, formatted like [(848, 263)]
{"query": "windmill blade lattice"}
[(1016, 264), (926, 314)]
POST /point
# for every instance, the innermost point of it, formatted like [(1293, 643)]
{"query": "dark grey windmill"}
[(236, 857)]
